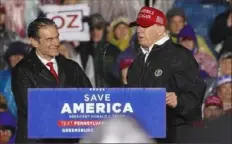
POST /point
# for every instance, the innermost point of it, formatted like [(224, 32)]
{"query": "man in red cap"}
[(168, 65), (213, 108)]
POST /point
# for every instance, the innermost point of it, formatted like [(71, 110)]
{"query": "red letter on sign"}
[(70, 25), (62, 21)]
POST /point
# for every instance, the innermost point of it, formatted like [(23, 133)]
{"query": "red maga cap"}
[(213, 100), (149, 16)]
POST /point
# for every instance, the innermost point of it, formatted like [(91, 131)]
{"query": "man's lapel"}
[(40, 68), (61, 71)]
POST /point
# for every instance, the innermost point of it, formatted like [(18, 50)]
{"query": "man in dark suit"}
[(162, 63), (44, 67)]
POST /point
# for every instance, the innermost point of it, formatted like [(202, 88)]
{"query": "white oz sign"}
[(68, 21)]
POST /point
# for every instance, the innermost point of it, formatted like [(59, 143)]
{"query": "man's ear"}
[(160, 30), (34, 42)]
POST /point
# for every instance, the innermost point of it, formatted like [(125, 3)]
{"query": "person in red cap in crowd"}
[(213, 108), (165, 64), (124, 65), (224, 90), (216, 125)]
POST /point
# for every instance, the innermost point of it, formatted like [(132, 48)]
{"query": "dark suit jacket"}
[(173, 67), (30, 72)]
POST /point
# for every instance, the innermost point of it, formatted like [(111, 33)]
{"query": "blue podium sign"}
[(73, 113)]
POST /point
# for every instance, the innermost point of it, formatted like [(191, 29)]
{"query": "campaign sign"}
[(73, 113), (69, 20)]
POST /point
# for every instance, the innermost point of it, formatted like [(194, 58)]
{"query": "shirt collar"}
[(159, 42), (44, 61)]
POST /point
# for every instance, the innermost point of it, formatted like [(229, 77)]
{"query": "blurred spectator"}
[(214, 131), (6, 37), (176, 21), (224, 91), (98, 56), (118, 130), (124, 65), (201, 14), (16, 51), (31, 11), (225, 64), (188, 39), (221, 31), (224, 68), (222, 26), (213, 108), (130, 53), (15, 20), (68, 50), (7, 128), (120, 33)]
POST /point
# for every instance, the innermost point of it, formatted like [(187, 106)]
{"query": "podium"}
[(74, 112)]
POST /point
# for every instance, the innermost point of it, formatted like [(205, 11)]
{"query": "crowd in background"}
[(204, 27)]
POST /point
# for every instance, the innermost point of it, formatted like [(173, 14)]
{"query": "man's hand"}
[(171, 99)]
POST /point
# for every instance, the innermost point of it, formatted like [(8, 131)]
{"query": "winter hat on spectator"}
[(119, 20), (8, 121), (224, 79), (124, 63), (187, 33), (16, 48), (149, 16), (96, 21), (213, 100), (226, 55), (175, 12)]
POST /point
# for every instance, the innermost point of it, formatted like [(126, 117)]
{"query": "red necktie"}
[(52, 70)]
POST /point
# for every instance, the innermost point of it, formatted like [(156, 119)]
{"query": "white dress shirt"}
[(147, 51), (44, 61)]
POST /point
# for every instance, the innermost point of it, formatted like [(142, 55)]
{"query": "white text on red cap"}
[(147, 11), (144, 16)]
